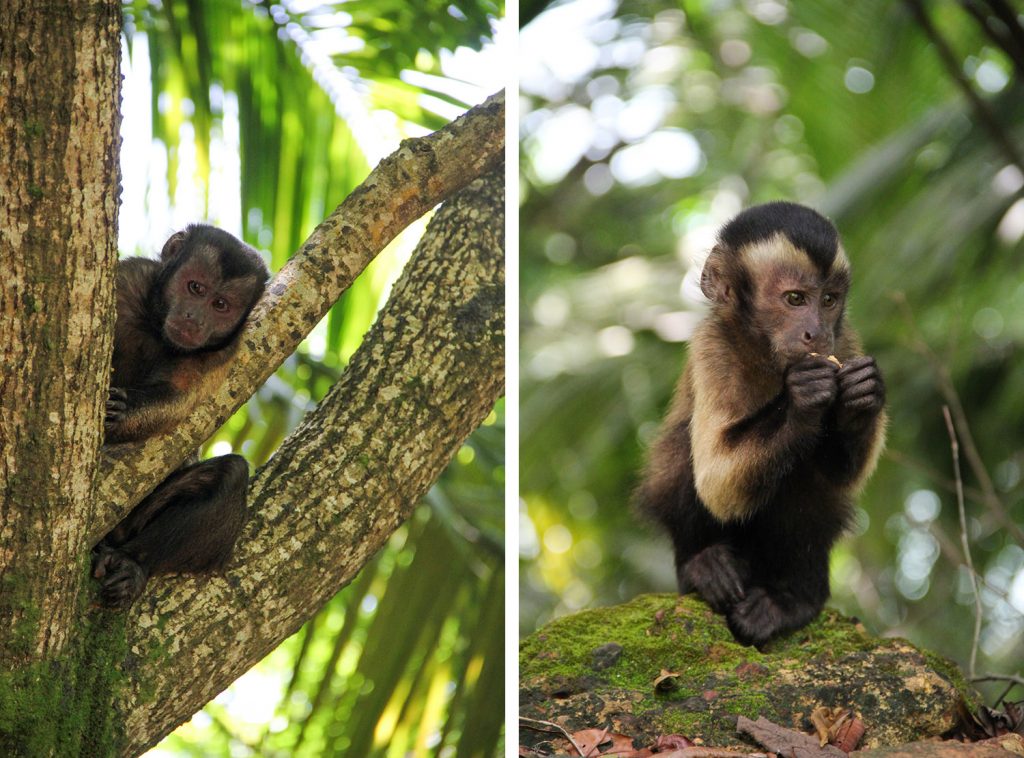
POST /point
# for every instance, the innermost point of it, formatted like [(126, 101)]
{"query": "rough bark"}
[(427, 374), (59, 90), (420, 174)]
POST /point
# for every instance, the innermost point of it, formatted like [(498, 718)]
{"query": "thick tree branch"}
[(428, 372), (415, 178)]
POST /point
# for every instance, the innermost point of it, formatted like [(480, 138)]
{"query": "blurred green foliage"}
[(647, 126), (408, 659)]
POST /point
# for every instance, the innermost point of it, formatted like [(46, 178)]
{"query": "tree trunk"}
[(59, 86)]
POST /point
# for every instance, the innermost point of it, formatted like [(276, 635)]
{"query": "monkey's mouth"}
[(187, 337)]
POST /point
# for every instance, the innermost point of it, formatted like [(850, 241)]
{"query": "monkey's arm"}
[(739, 463), (136, 413), (140, 412)]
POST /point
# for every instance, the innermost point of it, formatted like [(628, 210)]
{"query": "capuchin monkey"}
[(776, 423), (178, 321)]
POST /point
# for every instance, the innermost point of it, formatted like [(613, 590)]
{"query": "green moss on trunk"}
[(66, 707)]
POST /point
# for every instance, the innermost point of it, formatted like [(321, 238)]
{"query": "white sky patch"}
[(644, 113), (559, 142), (555, 50), (668, 153)]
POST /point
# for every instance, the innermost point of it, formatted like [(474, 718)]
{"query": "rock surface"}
[(598, 669)]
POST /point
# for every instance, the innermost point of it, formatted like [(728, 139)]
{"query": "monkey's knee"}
[(234, 470)]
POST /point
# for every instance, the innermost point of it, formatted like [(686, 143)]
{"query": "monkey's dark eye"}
[(795, 298), (829, 301), (220, 304), (196, 288)]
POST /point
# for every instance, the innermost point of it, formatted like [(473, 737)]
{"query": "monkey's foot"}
[(121, 579), (716, 575), (761, 616)]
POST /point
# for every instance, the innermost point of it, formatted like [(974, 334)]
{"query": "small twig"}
[(1016, 679), (699, 751), (553, 728), (964, 541), (949, 549), (1005, 692), (1009, 17), (998, 32)]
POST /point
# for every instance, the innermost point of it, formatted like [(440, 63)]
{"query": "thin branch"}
[(1009, 17), (539, 725), (981, 108), (949, 548), (964, 541), (404, 186), (996, 30), (947, 389), (1016, 679)]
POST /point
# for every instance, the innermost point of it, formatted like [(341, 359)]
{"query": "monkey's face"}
[(203, 309), (799, 314)]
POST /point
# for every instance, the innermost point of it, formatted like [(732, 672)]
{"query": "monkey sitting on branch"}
[(777, 421), (178, 321)]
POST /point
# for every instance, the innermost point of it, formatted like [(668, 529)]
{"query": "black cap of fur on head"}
[(806, 229)]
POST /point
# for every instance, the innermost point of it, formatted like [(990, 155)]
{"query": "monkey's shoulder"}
[(724, 380), (134, 278)]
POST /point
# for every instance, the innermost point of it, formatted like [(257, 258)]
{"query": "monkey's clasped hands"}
[(855, 391)]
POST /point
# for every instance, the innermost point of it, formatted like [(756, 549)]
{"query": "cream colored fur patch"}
[(778, 249)]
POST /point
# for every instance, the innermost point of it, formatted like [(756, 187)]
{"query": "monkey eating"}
[(777, 421), (178, 322)]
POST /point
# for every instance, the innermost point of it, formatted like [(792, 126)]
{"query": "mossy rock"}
[(597, 669)]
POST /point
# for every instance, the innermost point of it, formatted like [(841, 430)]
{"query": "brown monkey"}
[(178, 321), (767, 440)]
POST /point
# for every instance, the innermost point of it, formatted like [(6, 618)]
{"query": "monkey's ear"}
[(713, 282), (172, 246)]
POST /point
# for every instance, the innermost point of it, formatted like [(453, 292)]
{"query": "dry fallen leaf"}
[(672, 742), (591, 740), (837, 726), (667, 681)]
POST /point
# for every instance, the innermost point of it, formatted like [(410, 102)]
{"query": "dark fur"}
[(785, 439), (172, 347)]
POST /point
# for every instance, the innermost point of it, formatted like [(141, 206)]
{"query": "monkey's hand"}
[(717, 575), (861, 393), (811, 385), (121, 578), (117, 405)]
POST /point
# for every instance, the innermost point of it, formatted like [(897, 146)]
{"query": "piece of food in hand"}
[(829, 358)]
